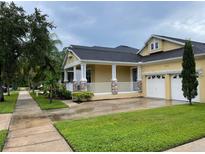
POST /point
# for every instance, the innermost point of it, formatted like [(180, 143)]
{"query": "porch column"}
[(114, 87), (139, 73), (75, 83), (83, 80), (65, 76), (139, 78)]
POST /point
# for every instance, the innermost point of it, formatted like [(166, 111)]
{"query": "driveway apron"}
[(31, 130)]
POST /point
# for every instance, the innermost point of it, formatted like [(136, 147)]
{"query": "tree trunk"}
[(51, 95), (190, 102), (8, 91), (1, 89), (1, 92), (33, 88)]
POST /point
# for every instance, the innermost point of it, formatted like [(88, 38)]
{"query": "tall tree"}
[(189, 75), (38, 45), (13, 29)]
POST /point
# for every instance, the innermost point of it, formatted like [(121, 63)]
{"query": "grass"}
[(3, 134), (147, 130), (44, 103), (9, 104)]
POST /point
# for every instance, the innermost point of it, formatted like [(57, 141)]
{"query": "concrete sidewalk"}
[(4, 121), (195, 146), (32, 131)]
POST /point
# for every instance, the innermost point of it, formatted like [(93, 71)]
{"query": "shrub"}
[(82, 96), (59, 92)]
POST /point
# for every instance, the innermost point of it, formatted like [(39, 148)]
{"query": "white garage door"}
[(155, 86), (176, 89)]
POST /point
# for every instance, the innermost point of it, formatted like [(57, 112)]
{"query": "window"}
[(152, 46), (156, 45), (70, 76), (88, 76)]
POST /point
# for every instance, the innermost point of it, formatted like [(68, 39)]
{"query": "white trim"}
[(65, 76), (162, 38), (74, 74), (109, 93), (170, 59), (66, 56), (110, 62), (169, 72), (114, 74), (139, 73), (74, 54), (72, 64), (131, 74), (170, 40), (64, 60), (83, 72)]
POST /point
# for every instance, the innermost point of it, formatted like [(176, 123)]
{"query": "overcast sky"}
[(122, 23)]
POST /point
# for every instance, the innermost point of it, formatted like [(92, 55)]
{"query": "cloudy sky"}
[(122, 23)]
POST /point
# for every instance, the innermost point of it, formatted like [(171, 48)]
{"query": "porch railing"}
[(127, 86), (105, 87), (99, 87)]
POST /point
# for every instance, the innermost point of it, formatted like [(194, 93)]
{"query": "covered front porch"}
[(104, 79)]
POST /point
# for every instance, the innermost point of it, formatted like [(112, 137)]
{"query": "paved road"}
[(32, 131)]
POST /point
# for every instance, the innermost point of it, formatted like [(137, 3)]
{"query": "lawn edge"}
[(14, 106), (162, 150), (7, 132), (124, 112), (187, 142), (47, 108), (72, 148)]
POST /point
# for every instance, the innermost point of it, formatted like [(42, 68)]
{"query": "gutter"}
[(170, 59)]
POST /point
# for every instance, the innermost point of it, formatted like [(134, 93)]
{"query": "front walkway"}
[(31, 131), (97, 108)]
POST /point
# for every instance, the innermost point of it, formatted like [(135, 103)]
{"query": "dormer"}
[(155, 45), (158, 43)]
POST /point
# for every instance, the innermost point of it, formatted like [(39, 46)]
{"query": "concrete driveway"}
[(96, 108)]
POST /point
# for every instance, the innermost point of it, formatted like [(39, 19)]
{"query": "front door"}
[(134, 79)]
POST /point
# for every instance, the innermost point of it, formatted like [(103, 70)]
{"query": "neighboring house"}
[(152, 71)]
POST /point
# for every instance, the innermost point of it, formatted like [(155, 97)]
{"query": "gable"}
[(70, 58), (163, 46)]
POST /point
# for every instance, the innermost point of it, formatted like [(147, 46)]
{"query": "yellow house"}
[(153, 71)]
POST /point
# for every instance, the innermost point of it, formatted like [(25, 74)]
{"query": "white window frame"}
[(154, 45)]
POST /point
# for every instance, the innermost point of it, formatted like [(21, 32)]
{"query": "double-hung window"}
[(154, 45)]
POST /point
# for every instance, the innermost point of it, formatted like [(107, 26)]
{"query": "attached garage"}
[(155, 85), (176, 89)]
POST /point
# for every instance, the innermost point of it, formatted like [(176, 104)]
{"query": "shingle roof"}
[(129, 54), (198, 48), (120, 54)]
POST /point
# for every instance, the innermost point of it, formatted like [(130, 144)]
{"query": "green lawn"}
[(147, 130), (3, 134), (9, 104), (44, 103)]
